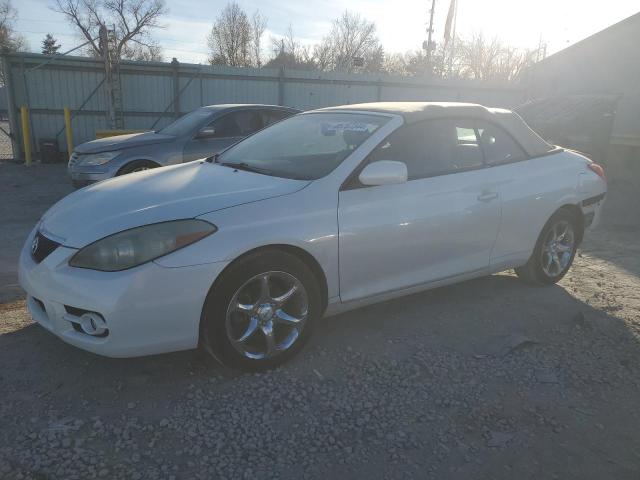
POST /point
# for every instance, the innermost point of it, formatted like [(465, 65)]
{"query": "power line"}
[(160, 40)]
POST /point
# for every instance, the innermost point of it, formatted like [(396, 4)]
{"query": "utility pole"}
[(112, 81), (453, 40), (108, 75), (429, 41), (539, 49), (116, 87)]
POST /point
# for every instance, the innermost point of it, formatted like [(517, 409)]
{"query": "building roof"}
[(603, 36), (606, 64), (419, 111)]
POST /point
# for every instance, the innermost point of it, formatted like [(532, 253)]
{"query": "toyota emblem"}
[(34, 245)]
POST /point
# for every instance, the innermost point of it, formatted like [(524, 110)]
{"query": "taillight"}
[(598, 170)]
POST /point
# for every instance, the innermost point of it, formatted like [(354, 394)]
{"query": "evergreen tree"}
[(50, 45)]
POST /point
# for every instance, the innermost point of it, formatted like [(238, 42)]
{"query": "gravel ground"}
[(25, 194), (486, 379)]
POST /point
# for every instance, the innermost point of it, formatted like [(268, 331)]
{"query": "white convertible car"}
[(328, 210)]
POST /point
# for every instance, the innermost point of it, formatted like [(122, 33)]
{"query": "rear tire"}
[(554, 251), (137, 166), (248, 326)]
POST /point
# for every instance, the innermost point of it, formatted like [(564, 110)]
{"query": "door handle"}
[(487, 196)]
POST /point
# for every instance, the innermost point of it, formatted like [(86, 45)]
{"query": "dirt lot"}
[(25, 194), (486, 379)]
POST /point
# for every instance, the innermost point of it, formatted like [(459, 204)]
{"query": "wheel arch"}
[(577, 213), (134, 160), (527, 272), (296, 251)]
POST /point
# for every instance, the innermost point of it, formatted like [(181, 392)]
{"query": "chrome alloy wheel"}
[(267, 314), (557, 248)]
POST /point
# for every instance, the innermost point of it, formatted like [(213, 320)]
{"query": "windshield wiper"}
[(246, 167), (213, 158)]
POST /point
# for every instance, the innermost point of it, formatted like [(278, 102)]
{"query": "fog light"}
[(92, 324)]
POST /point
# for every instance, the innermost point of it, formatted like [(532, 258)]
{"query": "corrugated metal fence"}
[(154, 94)]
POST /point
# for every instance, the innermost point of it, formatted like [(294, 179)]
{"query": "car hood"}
[(122, 141), (157, 195)]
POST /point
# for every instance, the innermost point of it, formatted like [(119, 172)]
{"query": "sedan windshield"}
[(304, 147), (187, 123)]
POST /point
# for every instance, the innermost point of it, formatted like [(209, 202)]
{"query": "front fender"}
[(301, 220), (162, 154)]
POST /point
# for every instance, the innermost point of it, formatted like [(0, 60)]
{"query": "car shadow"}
[(544, 334), (471, 318)]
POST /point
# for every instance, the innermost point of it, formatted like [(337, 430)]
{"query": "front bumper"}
[(149, 309), (592, 210), (81, 179), (82, 175)]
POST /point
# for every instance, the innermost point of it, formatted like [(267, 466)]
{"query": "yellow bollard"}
[(26, 135), (69, 132)]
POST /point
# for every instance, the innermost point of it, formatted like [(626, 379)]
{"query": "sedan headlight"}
[(93, 159), (139, 245)]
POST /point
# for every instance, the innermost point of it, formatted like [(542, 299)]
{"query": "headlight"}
[(133, 247), (94, 159)]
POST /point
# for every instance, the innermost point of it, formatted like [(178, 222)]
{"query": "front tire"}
[(554, 252), (261, 311)]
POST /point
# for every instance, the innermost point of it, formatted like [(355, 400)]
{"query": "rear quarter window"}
[(498, 146)]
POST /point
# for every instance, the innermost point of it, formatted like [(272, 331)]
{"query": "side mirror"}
[(206, 132), (383, 172)]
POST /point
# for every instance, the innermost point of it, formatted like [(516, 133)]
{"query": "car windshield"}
[(305, 147), (187, 123)]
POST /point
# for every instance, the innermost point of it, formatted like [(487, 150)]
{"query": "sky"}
[(401, 24)]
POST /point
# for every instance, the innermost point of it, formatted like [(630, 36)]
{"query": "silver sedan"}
[(198, 134)]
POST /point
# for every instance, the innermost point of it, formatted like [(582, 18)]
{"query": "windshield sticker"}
[(330, 129)]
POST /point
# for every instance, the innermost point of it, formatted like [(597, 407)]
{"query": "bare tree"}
[(351, 45), (323, 55), (290, 53), (478, 56), (150, 52), (396, 64), (130, 22), (230, 38), (351, 37), (10, 41), (258, 26), (512, 62), (475, 58), (483, 59)]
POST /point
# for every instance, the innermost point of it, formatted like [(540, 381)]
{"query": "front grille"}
[(73, 159), (42, 247)]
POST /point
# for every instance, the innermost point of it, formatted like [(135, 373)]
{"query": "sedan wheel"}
[(267, 315)]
